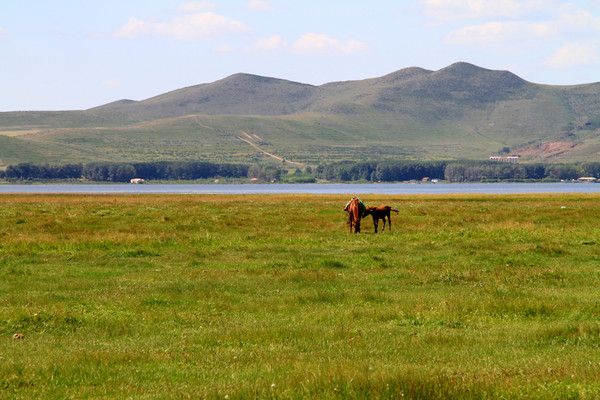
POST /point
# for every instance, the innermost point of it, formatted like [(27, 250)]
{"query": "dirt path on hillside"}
[(250, 140), (548, 149)]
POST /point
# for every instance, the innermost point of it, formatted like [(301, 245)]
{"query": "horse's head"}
[(368, 211)]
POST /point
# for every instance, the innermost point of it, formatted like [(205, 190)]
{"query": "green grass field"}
[(271, 297)]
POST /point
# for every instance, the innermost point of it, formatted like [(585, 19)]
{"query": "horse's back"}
[(387, 209)]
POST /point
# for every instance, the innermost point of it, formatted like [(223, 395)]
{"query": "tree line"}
[(494, 171), (123, 172), (386, 171), (380, 171), (453, 171)]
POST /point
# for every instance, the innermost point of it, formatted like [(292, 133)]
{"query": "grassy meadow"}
[(247, 296)]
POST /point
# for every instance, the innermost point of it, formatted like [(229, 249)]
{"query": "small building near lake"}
[(512, 159), (587, 179)]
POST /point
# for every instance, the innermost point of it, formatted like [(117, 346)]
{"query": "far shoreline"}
[(404, 188)]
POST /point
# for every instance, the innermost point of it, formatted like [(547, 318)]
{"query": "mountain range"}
[(459, 112)]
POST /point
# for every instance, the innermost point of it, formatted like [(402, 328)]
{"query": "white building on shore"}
[(512, 159)]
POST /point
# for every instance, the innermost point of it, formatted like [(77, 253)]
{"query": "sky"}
[(77, 54)]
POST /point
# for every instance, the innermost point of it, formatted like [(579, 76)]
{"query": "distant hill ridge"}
[(247, 94), (460, 111)]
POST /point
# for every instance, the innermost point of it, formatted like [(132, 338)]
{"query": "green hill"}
[(461, 111)]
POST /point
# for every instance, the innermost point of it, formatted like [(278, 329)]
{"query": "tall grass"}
[(270, 296)]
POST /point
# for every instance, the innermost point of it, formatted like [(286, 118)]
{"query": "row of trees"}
[(43, 171), (480, 171), (388, 171), (381, 171), (453, 171), (123, 172), (163, 170)]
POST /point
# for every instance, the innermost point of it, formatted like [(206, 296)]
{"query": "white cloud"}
[(573, 55), (495, 32), (316, 43), (309, 43), (196, 6), (577, 19), (568, 20), (265, 44), (259, 5), (186, 27), (2, 31), (445, 10)]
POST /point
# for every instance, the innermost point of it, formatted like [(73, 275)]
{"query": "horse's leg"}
[(383, 229), (390, 222), (350, 221)]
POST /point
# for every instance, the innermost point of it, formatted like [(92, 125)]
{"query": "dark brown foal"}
[(381, 212)]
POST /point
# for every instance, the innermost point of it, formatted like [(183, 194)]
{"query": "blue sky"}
[(75, 54)]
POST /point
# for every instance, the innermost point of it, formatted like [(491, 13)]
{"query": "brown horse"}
[(354, 215), (381, 212)]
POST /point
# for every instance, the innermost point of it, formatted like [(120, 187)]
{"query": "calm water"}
[(312, 188)]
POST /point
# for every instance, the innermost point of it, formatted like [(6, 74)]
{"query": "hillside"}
[(461, 111), (239, 94)]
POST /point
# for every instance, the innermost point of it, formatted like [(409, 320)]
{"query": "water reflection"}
[(310, 188)]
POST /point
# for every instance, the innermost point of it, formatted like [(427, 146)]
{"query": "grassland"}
[(270, 297)]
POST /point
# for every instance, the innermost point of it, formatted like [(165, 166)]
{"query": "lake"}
[(309, 188)]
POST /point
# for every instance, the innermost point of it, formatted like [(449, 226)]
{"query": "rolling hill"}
[(461, 111)]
